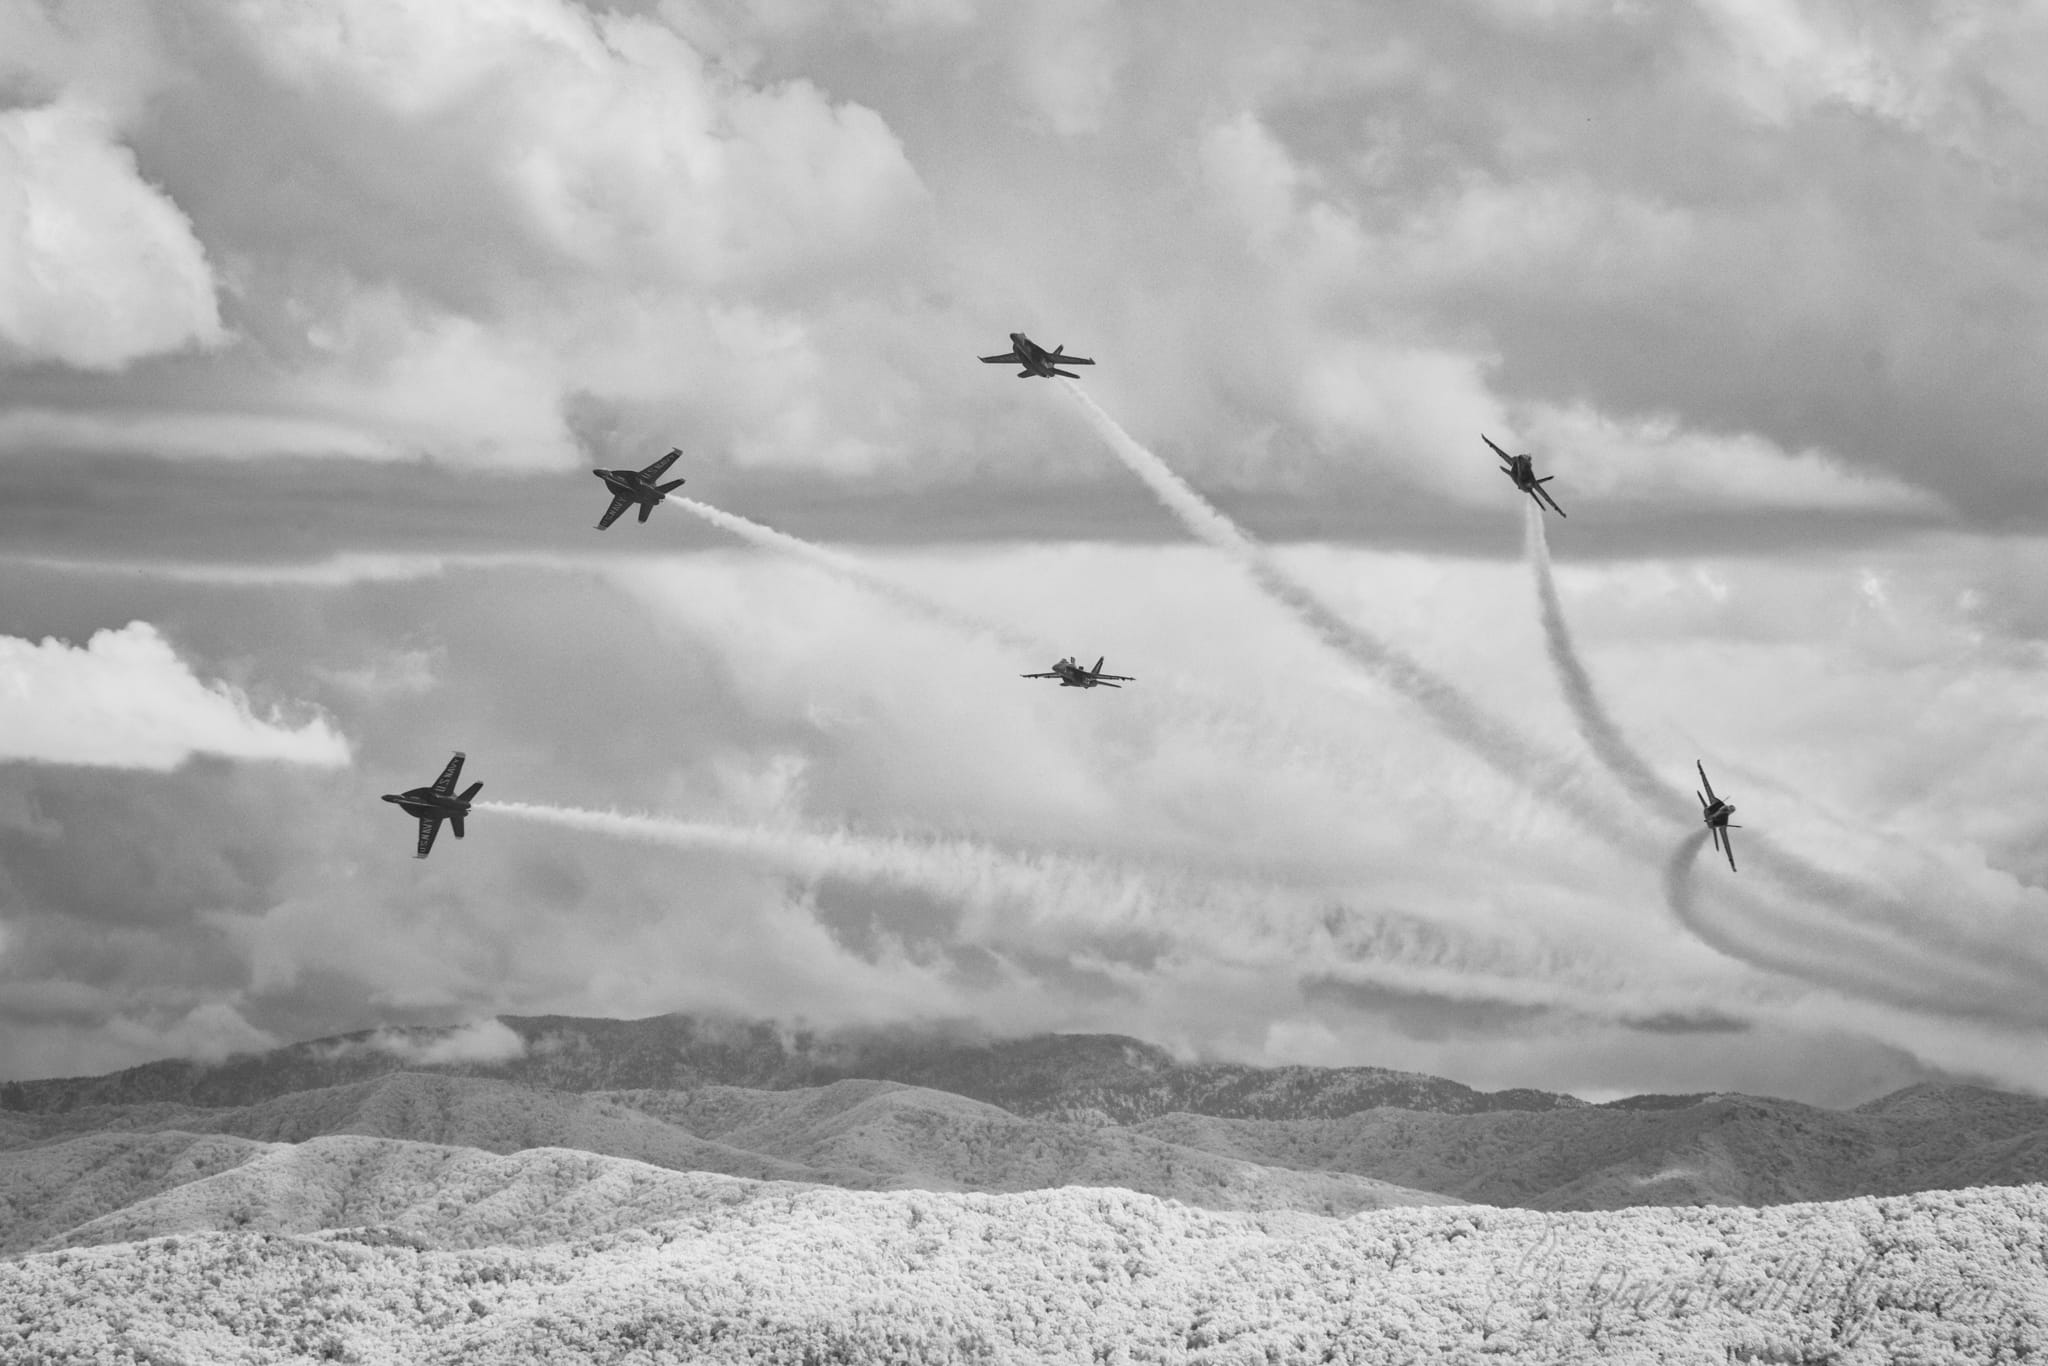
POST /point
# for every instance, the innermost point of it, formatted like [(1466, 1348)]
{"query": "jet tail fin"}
[(1098, 665), (469, 793), (672, 487), (455, 824)]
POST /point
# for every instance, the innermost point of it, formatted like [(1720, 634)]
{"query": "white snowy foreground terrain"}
[(365, 1249)]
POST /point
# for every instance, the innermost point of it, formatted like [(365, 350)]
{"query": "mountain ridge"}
[(1078, 1077)]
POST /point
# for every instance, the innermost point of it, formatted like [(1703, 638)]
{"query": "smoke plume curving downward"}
[(1602, 736), (1456, 715), (1993, 955), (1770, 860), (1884, 963), (1026, 898), (1855, 959)]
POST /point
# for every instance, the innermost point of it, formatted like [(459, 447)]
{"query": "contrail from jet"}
[(1493, 741), (1252, 728), (1514, 757), (1602, 736), (1770, 860), (956, 869), (1242, 924), (1857, 960), (853, 571)]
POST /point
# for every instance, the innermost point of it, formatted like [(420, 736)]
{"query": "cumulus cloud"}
[(642, 192), (98, 267), (495, 213), (125, 700)]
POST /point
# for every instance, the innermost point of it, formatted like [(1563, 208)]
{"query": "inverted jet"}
[(437, 803), (1522, 469), (1072, 675), (1036, 360), (637, 486), (1715, 813)]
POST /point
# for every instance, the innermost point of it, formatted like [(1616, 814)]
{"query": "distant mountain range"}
[(873, 1111), (1106, 1078)]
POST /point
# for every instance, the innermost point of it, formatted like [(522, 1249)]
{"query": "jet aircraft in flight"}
[(1072, 675), (1522, 469), (1035, 359), (437, 803), (1715, 813), (637, 486)]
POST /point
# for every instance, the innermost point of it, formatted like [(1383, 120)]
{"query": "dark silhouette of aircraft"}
[(637, 486), (1715, 813), (437, 803), (1072, 675), (1036, 360), (1522, 469)]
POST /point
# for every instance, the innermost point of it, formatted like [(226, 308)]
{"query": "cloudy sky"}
[(314, 318)]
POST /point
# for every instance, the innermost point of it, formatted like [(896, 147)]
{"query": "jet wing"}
[(1496, 450), (1121, 678), (611, 514), (445, 784), (1007, 358), (1058, 359), (1703, 778), (1728, 847), (1052, 675), (430, 826), (1544, 494), (660, 467)]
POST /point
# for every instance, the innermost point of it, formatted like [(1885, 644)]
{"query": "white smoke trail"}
[(1256, 730), (1634, 773), (1492, 740), (1232, 923), (1856, 960), (1951, 987), (854, 572), (1915, 934), (1602, 736)]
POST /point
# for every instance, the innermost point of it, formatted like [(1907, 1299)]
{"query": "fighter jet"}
[(636, 486), (1072, 675), (437, 803), (1715, 813), (1522, 469), (1036, 360)]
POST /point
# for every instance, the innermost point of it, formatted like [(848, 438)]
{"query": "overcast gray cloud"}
[(318, 316)]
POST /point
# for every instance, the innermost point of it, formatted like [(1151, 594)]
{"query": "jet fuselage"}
[(1031, 355), (631, 484), (424, 801)]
